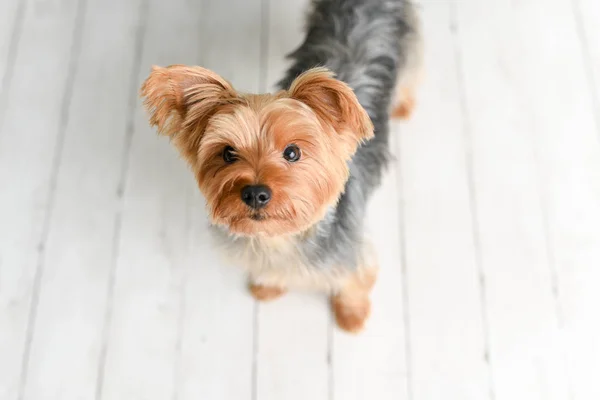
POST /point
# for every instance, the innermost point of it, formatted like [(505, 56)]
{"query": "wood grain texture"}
[(525, 351), (76, 266), (151, 237), (587, 14), (443, 270), (12, 13), (560, 59), (30, 137)]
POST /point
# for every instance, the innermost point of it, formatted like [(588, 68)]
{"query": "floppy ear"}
[(335, 103), (181, 100)]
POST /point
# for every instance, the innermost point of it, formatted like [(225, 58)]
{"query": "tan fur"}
[(412, 74), (335, 104), (349, 291), (352, 305), (276, 262), (265, 293), (203, 114), (406, 104)]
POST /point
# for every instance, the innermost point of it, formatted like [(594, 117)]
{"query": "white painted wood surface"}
[(447, 333), (33, 125), (578, 238), (151, 233), (587, 15), (568, 149), (11, 24), (487, 224), (78, 250), (525, 352)]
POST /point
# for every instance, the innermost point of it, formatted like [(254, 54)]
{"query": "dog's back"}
[(373, 46)]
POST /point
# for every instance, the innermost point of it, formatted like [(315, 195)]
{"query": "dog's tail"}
[(411, 72)]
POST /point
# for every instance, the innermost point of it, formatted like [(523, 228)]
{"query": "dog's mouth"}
[(259, 223), (253, 224), (258, 216), (253, 216)]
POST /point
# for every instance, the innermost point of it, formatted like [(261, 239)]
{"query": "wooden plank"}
[(561, 101), (11, 24), (11, 21), (292, 331), (30, 132), (217, 325), (143, 337), (447, 332), (587, 18), (524, 338), (79, 249)]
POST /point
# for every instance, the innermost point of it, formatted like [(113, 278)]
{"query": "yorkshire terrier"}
[(287, 176)]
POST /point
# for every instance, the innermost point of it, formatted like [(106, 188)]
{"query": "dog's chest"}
[(276, 262)]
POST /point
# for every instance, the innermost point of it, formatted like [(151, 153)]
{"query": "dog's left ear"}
[(335, 103)]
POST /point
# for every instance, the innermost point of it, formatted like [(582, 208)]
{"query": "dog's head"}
[(267, 164)]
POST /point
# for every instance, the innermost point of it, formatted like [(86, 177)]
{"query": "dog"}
[(287, 175)]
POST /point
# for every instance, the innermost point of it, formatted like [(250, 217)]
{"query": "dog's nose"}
[(256, 196)]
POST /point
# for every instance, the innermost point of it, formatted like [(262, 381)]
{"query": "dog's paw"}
[(265, 293), (351, 314), (405, 109)]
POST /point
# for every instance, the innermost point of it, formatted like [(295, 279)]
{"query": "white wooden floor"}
[(488, 224)]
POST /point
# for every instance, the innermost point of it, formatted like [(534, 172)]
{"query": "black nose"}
[(256, 196)]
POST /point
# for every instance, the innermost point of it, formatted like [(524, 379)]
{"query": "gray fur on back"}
[(366, 43)]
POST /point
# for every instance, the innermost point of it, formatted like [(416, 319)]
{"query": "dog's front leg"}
[(352, 305), (264, 292)]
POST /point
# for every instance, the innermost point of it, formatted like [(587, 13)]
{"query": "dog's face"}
[(267, 164)]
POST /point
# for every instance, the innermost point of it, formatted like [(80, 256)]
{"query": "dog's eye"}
[(291, 153), (229, 155)]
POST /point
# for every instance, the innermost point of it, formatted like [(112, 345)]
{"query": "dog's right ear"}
[(335, 103), (181, 100)]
